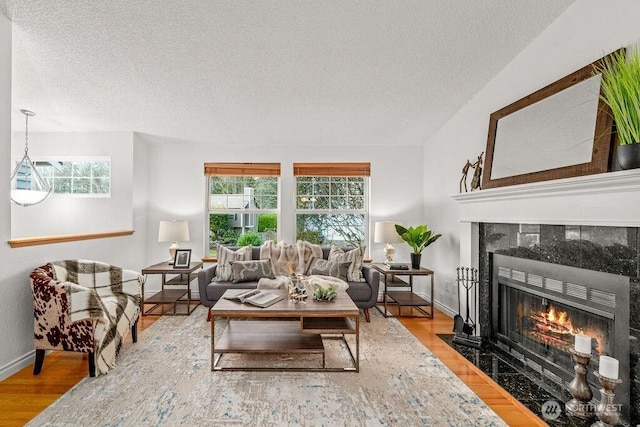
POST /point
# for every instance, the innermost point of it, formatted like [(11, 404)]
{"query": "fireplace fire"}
[(555, 328)]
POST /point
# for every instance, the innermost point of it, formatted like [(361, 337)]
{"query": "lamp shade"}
[(385, 232), (173, 231)]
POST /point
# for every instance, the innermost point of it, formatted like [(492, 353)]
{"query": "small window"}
[(81, 177)]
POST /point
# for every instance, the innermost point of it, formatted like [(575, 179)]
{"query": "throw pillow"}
[(226, 257), (355, 258), (325, 267), (251, 271)]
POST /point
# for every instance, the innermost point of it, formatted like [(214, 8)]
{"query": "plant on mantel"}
[(418, 238), (621, 92)]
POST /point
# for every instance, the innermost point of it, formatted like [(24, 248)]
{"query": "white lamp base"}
[(172, 251), (389, 252)]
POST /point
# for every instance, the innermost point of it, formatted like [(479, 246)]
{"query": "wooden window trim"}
[(332, 169), (242, 169)]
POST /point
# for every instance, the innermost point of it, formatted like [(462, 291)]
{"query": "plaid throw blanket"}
[(108, 295)]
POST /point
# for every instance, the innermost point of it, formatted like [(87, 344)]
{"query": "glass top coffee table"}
[(285, 328)]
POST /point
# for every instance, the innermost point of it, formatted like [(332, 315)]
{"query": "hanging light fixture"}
[(27, 185)]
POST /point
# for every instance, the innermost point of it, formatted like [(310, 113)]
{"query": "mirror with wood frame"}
[(560, 131)]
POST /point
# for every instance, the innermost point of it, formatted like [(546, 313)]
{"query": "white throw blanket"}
[(282, 282), (298, 254)]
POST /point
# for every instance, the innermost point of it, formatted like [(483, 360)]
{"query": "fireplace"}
[(539, 307)]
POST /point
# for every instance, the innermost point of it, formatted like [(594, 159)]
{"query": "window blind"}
[(332, 169), (242, 169)]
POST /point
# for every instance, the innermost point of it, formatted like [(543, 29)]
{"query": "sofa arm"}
[(372, 276), (205, 276), (53, 327)]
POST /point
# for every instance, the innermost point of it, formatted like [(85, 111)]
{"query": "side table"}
[(179, 286), (391, 280)]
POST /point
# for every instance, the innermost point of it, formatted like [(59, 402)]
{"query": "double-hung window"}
[(243, 203), (332, 202)]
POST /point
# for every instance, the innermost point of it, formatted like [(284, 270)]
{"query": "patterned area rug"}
[(165, 379)]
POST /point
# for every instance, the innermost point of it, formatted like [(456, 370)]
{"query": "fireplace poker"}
[(464, 328)]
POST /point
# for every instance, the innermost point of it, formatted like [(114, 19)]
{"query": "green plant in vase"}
[(621, 92), (418, 238)]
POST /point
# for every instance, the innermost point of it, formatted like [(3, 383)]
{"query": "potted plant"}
[(418, 238), (621, 92)]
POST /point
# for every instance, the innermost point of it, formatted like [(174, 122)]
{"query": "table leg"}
[(432, 297), (358, 344), (213, 346)]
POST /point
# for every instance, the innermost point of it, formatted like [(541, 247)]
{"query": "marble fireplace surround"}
[(573, 221)]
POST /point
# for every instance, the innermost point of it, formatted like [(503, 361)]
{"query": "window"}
[(332, 202), (243, 203), (87, 177)]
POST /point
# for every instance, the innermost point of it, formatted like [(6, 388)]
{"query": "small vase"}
[(415, 260), (629, 156)]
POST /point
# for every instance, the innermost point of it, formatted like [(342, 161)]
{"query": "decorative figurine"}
[(477, 173), (465, 170)]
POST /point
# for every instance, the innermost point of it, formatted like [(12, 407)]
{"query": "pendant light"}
[(27, 185)]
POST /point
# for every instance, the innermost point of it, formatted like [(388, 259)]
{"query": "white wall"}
[(587, 30), (68, 214), (16, 310), (177, 187)]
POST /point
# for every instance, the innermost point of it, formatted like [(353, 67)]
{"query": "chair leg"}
[(366, 315), (208, 315), (134, 331), (37, 365), (92, 365)]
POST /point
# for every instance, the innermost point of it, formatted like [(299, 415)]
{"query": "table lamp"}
[(173, 231), (385, 232)]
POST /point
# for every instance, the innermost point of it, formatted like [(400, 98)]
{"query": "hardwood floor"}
[(506, 406), (23, 395)]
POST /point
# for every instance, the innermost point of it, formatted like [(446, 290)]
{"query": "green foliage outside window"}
[(267, 222), (218, 225), (250, 238)]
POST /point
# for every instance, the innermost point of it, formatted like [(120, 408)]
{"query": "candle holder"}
[(607, 411), (579, 388)]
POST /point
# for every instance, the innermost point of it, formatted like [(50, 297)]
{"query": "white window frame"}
[(364, 211), (240, 211), (66, 159)]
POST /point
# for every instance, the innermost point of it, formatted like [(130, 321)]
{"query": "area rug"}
[(165, 379)]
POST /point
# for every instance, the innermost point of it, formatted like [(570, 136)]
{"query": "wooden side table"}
[(173, 290), (408, 298)]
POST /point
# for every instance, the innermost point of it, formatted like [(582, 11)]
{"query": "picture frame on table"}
[(182, 259)]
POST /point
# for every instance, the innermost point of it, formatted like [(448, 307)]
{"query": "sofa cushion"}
[(354, 257), (250, 271), (325, 267), (226, 257)]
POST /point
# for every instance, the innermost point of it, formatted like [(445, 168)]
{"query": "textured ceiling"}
[(357, 72)]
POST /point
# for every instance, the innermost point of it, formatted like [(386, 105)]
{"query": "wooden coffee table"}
[(285, 328)]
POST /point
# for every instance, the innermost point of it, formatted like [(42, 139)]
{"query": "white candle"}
[(583, 344), (609, 367)]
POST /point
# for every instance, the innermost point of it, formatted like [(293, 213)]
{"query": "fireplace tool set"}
[(464, 328)]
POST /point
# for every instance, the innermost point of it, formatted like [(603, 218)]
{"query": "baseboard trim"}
[(445, 309), (17, 365)]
